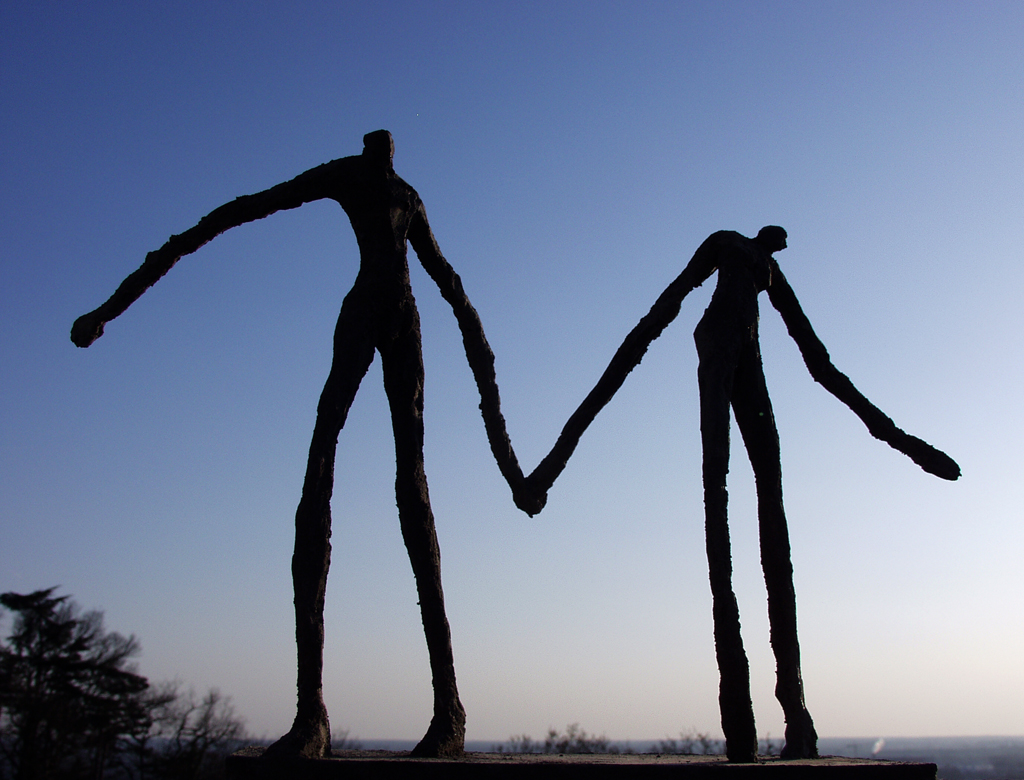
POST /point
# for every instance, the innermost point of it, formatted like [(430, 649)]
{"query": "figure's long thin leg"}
[(757, 424), (402, 360), (310, 735), (714, 375)]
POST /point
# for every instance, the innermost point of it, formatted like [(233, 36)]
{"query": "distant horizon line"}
[(646, 740)]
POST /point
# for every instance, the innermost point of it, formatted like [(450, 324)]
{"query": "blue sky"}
[(571, 157)]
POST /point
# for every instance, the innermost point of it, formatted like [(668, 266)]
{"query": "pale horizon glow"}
[(571, 158)]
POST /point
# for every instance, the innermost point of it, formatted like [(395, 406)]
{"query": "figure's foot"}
[(801, 739), (738, 719), (446, 737), (310, 738), (742, 754)]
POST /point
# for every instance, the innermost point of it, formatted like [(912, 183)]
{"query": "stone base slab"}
[(248, 764)]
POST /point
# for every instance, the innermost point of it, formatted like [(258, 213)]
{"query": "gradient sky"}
[(571, 157)]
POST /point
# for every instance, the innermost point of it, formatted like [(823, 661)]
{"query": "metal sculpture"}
[(730, 373), (378, 315)]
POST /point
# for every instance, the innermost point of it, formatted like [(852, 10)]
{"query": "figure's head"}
[(379, 148), (772, 238)]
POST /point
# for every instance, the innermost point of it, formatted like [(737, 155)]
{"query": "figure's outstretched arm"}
[(819, 363), (248, 208), (626, 358), (481, 362)]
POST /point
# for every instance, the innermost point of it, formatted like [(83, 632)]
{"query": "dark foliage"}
[(73, 706), (67, 690)]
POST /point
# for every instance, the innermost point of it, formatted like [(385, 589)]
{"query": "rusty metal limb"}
[(818, 362), (626, 358)]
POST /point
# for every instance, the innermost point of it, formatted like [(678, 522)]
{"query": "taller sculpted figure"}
[(378, 315)]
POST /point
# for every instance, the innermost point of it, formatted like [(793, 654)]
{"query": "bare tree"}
[(195, 734)]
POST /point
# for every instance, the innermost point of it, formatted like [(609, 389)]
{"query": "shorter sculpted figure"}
[(378, 315), (729, 373)]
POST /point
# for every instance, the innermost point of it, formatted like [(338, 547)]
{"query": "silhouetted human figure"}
[(730, 373), (378, 314)]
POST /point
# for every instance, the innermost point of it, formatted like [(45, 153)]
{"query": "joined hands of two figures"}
[(529, 496)]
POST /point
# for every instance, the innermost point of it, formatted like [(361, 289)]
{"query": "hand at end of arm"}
[(529, 498), (947, 468), (933, 460), (86, 329)]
